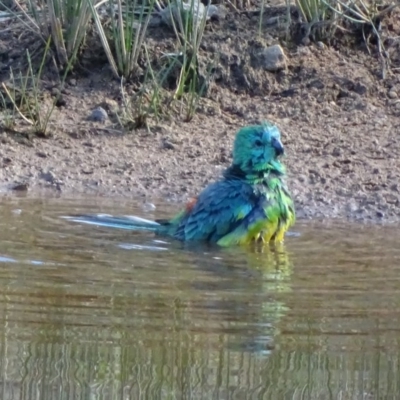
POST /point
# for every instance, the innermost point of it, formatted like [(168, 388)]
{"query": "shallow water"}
[(95, 313)]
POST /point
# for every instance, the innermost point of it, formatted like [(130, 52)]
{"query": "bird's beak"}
[(278, 146)]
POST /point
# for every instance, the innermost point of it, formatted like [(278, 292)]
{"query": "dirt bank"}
[(340, 122)]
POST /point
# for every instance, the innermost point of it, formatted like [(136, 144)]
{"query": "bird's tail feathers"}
[(127, 222)]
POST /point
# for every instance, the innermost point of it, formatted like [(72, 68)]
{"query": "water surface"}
[(95, 313)]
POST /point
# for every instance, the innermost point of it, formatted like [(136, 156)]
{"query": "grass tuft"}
[(188, 21), (126, 35), (66, 22), (322, 19), (26, 98)]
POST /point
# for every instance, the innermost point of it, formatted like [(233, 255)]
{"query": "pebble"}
[(392, 94), (110, 105), (304, 50), (148, 206), (4, 138), (48, 177), (271, 58), (272, 21), (172, 14), (20, 187), (380, 214), (99, 114), (166, 144), (352, 206)]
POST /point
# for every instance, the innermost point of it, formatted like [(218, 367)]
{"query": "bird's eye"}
[(258, 143)]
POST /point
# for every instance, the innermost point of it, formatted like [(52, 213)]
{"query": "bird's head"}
[(257, 149)]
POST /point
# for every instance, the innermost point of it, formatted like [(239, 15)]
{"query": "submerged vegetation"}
[(168, 86)]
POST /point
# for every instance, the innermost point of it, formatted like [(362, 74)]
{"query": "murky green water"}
[(91, 313)]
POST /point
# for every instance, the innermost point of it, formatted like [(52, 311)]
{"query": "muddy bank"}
[(340, 123)]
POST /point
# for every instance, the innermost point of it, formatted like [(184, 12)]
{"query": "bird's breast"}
[(277, 215)]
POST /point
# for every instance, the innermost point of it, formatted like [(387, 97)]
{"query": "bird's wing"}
[(220, 209)]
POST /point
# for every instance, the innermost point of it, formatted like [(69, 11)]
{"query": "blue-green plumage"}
[(249, 203)]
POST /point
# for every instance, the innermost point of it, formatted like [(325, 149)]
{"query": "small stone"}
[(360, 88), (99, 114), (55, 92), (271, 58), (302, 178), (177, 11), (320, 45), (41, 154), (391, 198), (166, 144), (61, 102), (148, 206), (392, 94), (352, 206), (216, 13), (4, 138), (304, 51), (272, 20), (110, 105), (72, 82), (20, 187), (48, 177), (380, 214)]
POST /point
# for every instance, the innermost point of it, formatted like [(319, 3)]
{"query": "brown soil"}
[(339, 119)]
